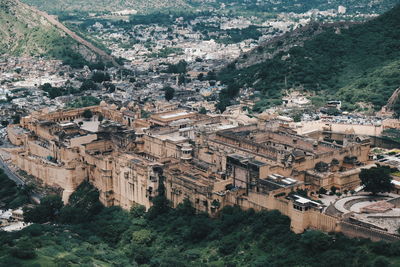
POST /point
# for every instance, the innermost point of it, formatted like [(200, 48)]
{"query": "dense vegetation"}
[(84, 233), (359, 64), (228, 36), (96, 78), (377, 179), (54, 92), (84, 101), (11, 195), (169, 93)]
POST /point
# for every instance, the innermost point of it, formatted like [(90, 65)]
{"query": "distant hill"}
[(55, 6), (247, 6), (25, 32), (360, 63)]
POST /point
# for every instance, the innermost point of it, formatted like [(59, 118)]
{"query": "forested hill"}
[(27, 33), (358, 64)]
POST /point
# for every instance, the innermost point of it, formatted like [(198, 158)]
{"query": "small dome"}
[(103, 103)]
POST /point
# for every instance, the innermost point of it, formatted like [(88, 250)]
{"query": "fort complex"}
[(209, 160)]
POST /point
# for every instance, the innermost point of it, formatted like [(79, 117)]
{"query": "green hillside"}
[(358, 64), (237, 6), (25, 33)]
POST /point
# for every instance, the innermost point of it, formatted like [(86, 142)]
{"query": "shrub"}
[(87, 114), (322, 191), (142, 237), (23, 250)]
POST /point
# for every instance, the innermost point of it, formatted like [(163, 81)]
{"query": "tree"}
[(97, 66), (334, 189), (169, 93), (46, 211), (222, 104), (83, 205), (315, 241), (88, 85), (381, 262), (322, 191), (52, 91), (180, 67), (99, 77), (46, 87), (203, 110), (24, 250), (137, 211), (87, 114), (16, 119), (333, 112), (110, 87), (142, 237), (160, 202), (181, 79), (211, 75), (376, 179), (297, 117)]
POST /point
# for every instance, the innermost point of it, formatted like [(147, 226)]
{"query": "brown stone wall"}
[(352, 230), (132, 184), (65, 177), (15, 138)]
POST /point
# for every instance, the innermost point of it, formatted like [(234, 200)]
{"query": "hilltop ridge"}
[(239, 6)]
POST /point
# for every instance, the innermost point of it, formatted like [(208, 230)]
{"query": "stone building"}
[(205, 159), (282, 151)]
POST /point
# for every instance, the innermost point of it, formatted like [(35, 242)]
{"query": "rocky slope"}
[(25, 31)]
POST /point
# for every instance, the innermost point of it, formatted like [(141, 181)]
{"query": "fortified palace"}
[(209, 160)]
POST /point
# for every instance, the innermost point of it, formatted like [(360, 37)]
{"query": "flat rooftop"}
[(276, 181), (279, 138), (172, 115)]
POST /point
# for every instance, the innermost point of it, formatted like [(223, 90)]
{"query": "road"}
[(11, 175)]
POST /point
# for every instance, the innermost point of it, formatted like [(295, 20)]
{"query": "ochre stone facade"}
[(201, 158)]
